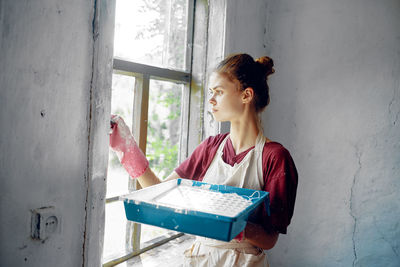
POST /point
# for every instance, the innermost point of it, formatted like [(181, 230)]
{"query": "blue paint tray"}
[(213, 211)]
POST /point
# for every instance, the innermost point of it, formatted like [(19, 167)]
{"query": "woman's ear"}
[(247, 95)]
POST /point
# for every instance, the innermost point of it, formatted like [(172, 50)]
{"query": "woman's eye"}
[(216, 92)]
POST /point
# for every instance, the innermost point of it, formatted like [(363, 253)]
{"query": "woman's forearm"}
[(148, 178), (257, 236)]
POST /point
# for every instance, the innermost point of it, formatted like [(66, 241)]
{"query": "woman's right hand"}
[(123, 143), (120, 135)]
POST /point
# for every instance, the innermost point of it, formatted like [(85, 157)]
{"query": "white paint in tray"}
[(183, 198)]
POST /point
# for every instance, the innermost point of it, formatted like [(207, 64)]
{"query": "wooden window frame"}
[(143, 74)]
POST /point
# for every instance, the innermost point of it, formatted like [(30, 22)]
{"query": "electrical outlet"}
[(45, 222)]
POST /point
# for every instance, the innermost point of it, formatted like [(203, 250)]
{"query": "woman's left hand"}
[(256, 235)]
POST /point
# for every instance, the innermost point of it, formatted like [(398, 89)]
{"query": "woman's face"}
[(225, 98)]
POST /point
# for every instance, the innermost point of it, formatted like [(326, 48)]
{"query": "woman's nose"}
[(212, 100)]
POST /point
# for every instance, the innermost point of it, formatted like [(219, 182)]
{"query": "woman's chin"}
[(219, 119), (216, 118)]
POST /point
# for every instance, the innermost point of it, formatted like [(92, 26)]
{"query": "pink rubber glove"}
[(128, 152)]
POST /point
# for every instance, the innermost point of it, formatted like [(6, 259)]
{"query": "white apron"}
[(247, 174)]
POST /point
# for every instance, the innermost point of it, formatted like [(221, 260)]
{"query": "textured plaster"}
[(51, 92), (335, 103)]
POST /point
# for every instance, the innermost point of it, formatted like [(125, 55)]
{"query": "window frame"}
[(204, 17), (143, 73)]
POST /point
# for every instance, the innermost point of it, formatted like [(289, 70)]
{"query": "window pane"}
[(122, 105), (116, 243), (152, 32), (164, 127), (163, 134)]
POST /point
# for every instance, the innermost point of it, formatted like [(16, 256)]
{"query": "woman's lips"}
[(214, 110)]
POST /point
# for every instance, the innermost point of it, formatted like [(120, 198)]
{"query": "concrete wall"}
[(234, 26), (335, 104), (55, 75)]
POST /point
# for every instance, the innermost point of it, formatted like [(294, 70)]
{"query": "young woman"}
[(243, 158)]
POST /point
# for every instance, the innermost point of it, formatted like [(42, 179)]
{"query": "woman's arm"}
[(131, 157), (257, 236), (172, 176), (148, 178)]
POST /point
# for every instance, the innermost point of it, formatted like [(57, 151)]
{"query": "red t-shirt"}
[(279, 172)]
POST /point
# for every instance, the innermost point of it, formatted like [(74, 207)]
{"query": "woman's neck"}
[(243, 134)]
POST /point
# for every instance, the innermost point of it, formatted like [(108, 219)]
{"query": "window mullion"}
[(185, 101), (126, 67), (139, 130), (189, 35), (144, 112), (140, 110), (183, 142)]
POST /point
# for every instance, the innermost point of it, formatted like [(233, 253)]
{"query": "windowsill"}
[(168, 254)]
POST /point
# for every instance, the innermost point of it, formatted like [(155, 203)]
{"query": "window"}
[(151, 91)]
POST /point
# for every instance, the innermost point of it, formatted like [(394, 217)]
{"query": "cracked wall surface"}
[(335, 104), (358, 156)]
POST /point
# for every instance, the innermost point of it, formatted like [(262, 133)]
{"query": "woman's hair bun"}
[(267, 63)]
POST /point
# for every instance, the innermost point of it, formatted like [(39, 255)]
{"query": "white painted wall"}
[(235, 26), (55, 75), (335, 103)]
